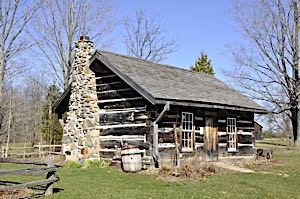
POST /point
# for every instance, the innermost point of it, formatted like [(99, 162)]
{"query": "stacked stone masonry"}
[(81, 130)]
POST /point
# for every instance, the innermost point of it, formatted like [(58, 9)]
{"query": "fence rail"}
[(50, 170), (36, 150)]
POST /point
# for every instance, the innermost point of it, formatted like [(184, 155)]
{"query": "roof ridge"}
[(164, 65)]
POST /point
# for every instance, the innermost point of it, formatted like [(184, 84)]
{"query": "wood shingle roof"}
[(164, 83)]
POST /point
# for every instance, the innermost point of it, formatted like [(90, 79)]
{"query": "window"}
[(231, 131), (187, 123)]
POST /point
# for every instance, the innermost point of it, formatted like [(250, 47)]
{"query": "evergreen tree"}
[(203, 65), (50, 127)]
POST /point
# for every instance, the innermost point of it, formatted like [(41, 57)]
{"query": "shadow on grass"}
[(40, 188)]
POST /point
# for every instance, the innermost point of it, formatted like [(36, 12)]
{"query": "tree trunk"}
[(295, 123), (1, 77), (296, 71), (296, 129)]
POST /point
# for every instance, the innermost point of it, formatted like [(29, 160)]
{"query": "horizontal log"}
[(197, 145), (23, 161), (199, 139), (111, 86), (245, 121), (101, 69), (124, 104), (113, 78), (200, 132), (166, 137), (245, 133), (245, 139), (109, 145), (47, 146), (222, 144), (172, 116), (122, 110), (140, 130), (121, 117), (220, 133), (30, 171), (245, 128), (107, 76), (243, 145), (30, 184), (222, 139), (166, 145), (122, 126), (122, 137), (120, 100), (165, 130), (18, 148), (113, 91), (117, 95)]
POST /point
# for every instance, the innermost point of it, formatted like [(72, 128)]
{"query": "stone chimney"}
[(81, 130)]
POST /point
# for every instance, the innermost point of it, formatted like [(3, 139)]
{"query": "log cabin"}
[(172, 114)]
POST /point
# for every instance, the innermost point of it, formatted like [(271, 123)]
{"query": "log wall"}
[(124, 112)]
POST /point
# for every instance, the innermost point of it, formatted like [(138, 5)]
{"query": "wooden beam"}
[(222, 133), (122, 126), (207, 105), (107, 76), (109, 83), (122, 137), (244, 121), (23, 161), (29, 184), (177, 146), (119, 100), (30, 171), (113, 91), (122, 110), (125, 131), (166, 145), (125, 78)]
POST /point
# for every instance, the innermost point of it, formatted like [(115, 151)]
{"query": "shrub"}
[(91, 164), (72, 165), (191, 169)]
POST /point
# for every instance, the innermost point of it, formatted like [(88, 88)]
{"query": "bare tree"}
[(268, 67), (14, 17), (145, 38), (59, 25)]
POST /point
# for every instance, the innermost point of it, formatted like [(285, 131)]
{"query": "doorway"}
[(210, 140)]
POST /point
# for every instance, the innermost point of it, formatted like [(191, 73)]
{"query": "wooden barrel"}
[(131, 158)]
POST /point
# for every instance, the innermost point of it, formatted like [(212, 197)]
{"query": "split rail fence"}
[(49, 170), (34, 151)]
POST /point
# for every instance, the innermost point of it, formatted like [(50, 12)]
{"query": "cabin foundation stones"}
[(81, 131)]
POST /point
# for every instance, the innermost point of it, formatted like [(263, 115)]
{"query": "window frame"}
[(232, 134), (187, 131)]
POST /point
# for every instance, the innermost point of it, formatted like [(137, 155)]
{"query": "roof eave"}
[(61, 98), (210, 105)]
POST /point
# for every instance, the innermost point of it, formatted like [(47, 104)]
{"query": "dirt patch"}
[(17, 193)]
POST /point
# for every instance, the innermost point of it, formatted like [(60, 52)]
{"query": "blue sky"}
[(200, 26)]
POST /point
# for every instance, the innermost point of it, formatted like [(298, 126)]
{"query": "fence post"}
[(50, 175), (3, 152), (39, 150)]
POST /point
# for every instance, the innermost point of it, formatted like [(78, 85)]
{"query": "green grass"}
[(106, 183)]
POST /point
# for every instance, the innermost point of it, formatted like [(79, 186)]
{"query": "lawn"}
[(282, 180)]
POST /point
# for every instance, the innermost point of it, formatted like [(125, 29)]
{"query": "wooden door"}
[(210, 140)]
